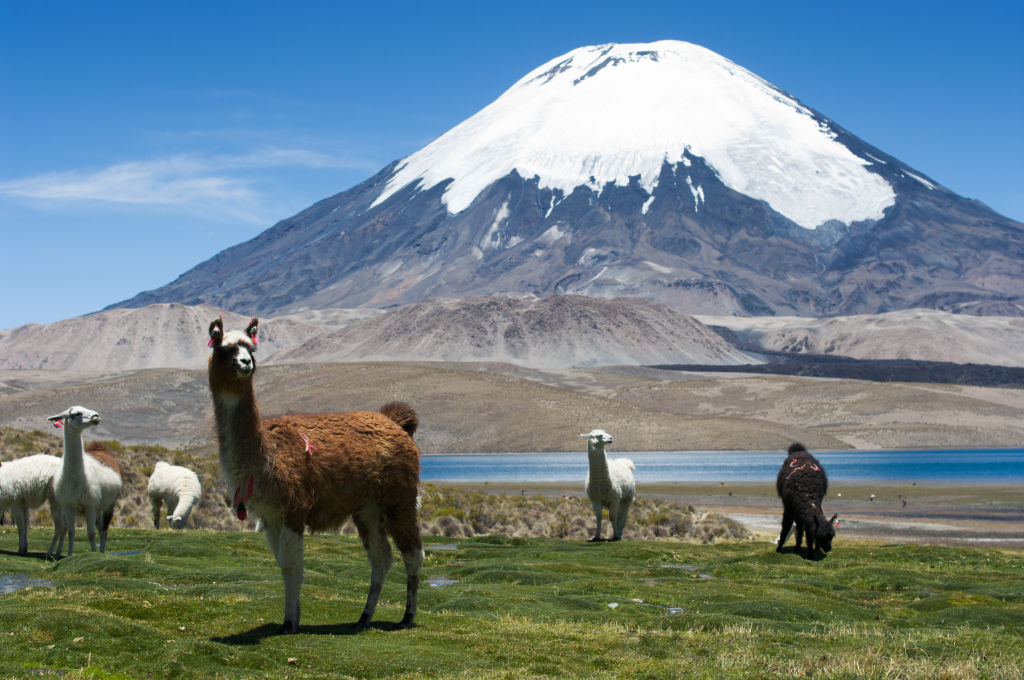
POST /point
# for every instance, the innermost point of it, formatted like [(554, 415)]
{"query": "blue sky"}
[(138, 139)]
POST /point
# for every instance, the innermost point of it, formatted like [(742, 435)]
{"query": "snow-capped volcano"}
[(607, 113), (661, 171)]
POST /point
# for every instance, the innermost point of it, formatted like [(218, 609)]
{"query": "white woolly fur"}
[(176, 487), (610, 483), (25, 484), (83, 485)]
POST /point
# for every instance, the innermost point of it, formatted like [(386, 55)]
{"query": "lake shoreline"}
[(990, 514)]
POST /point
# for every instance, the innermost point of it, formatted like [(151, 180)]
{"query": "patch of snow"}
[(605, 113), (492, 239), (657, 267), (551, 206), (647, 204), (552, 234), (698, 193), (920, 179)]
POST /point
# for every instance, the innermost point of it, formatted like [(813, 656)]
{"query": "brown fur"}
[(355, 458), (315, 471), (99, 451)]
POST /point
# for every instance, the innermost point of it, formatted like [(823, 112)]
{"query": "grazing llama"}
[(610, 483), (176, 487), (83, 484), (315, 471), (802, 484)]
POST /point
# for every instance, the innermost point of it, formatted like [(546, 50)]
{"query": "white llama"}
[(176, 487), (610, 483), (25, 484), (82, 484)]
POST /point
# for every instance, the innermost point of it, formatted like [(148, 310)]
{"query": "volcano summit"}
[(660, 170)]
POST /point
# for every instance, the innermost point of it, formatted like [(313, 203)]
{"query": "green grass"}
[(204, 604)]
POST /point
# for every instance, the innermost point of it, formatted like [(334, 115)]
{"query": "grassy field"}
[(205, 604)]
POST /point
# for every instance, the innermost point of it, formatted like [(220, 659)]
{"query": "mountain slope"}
[(917, 334), (660, 171), (555, 333), (558, 332)]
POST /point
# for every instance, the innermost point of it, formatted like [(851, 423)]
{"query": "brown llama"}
[(316, 471)]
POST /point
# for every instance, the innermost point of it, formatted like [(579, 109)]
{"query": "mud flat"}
[(939, 514)]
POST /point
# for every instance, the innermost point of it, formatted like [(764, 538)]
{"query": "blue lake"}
[(976, 465)]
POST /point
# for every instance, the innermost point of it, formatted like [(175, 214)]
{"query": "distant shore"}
[(989, 515)]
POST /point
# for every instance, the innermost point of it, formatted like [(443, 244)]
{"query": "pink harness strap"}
[(242, 498), (792, 464)]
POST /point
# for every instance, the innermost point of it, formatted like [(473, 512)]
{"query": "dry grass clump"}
[(458, 513), (447, 511)]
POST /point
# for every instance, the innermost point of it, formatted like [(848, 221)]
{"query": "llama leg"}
[(105, 518), (290, 559), (407, 537), (69, 522), (799, 532), (156, 514), (623, 514), (787, 529), (378, 551), (613, 520), (19, 513), (58, 530), (90, 526), (598, 512), (286, 544)]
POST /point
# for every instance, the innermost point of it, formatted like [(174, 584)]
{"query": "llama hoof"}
[(288, 628), (406, 624), (595, 539), (363, 623)]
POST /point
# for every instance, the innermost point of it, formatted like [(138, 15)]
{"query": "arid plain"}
[(144, 371)]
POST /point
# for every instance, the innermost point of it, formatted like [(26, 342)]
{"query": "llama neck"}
[(598, 461), (239, 429), (73, 464)]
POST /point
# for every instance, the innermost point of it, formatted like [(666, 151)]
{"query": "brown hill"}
[(555, 332), (158, 336), (918, 334)]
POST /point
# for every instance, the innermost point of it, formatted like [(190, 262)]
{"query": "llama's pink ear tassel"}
[(58, 424), (255, 342)]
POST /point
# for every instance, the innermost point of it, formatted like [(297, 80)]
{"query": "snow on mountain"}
[(606, 113)]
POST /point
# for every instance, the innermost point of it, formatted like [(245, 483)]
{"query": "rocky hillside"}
[(561, 331), (555, 332), (917, 334)]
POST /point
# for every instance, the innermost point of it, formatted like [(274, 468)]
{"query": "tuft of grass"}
[(204, 604)]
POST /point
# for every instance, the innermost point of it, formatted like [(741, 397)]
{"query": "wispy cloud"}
[(204, 182)]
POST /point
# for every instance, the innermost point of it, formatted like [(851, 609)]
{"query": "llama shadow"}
[(258, 634), (816, 556), (41, 556)]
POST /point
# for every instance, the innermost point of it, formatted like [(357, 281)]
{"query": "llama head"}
[(76, 418), (825, 533), (234, 352), (597, 437)]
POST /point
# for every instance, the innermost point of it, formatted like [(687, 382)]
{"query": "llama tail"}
[(401, 413)]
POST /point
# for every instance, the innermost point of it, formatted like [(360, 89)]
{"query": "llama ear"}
[(835, 520), (216, 333), (252, 328), (58, 420)]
